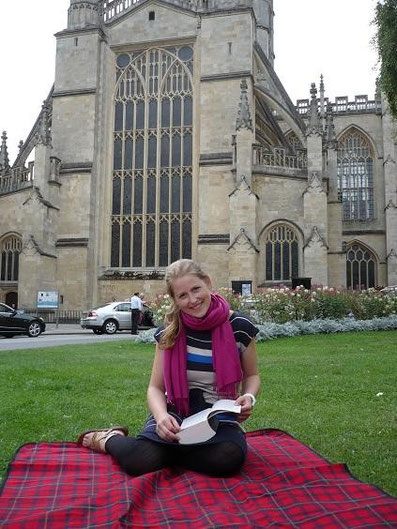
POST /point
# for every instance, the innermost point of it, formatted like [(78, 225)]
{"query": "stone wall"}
[(113, 290)]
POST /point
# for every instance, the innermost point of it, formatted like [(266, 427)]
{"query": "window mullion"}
[(145, 215), (273, 262), (158, 173)]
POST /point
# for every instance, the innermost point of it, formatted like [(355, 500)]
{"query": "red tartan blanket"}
[(283, 484)]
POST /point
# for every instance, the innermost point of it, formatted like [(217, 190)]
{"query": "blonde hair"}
[(172, 321)]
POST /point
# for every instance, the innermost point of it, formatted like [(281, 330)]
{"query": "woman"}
[(203, 353)]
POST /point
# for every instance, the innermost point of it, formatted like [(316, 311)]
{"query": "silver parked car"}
[(113, 317)]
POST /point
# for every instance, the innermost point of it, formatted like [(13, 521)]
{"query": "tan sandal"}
[(101, 435)]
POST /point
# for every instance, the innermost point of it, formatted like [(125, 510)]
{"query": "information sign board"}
[(47, 299)]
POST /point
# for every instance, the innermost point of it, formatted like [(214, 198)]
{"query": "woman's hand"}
[(245, 402), (167, 427)]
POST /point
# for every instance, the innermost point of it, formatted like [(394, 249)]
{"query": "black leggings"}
[(140, 456)]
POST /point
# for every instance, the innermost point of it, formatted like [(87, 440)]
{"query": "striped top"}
[(200, 369)]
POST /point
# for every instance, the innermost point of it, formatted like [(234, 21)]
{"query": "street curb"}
[(76, 329)]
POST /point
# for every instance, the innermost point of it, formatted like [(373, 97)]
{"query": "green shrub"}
[(271, 331)]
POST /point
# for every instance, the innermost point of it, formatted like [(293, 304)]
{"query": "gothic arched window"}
[(152, 160), (10, 248), (360, 267), (294, 141), (355, 176), (281, 253)]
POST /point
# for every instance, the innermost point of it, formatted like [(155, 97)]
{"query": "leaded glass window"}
[(355, 176), (281, 253), (10, 249), (360, 267), (152, 158)]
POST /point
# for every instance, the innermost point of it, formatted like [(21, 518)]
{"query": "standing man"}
[(142, 314), (136, 307)]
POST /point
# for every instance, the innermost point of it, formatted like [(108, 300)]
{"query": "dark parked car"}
[(16, 322)]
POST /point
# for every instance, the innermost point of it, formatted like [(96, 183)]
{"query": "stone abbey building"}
[(168, 134)]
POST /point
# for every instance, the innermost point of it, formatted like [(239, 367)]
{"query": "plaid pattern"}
[(283, 484)]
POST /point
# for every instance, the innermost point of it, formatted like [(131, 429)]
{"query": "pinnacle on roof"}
[(4, 159), (244, 115), (330, 135), (43, 134), (313, 114)]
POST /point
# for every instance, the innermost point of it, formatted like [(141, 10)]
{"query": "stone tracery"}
[(10, 249), (281, 253), (152, 177), (355, 175)]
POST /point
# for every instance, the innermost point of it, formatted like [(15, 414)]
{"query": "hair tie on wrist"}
[(253, 399)]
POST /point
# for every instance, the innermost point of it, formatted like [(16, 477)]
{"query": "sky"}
[(312, 37)]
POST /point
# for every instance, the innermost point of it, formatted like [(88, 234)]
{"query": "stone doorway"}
[(12, 299)]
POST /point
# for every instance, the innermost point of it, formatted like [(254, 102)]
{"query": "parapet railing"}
[(114, 8), (17, 178), (278, 158), (342, 105)]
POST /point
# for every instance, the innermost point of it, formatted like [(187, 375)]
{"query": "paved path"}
[(64, 334), (66, 328), (74, 328)]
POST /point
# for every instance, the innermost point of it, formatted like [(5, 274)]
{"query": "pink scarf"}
[(225, 356)]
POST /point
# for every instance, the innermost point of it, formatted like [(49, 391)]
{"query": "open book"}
[(202, 425)]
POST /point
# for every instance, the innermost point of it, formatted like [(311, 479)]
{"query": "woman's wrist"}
[(160, 415), (252, 397), (157, 404)]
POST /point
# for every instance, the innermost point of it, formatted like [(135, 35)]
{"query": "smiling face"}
[(192, 294)]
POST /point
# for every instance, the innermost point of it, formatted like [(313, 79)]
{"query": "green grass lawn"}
[(322, 389)]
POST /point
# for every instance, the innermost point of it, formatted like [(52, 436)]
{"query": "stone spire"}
[(43, 134), (244, 115), (314, 125), (4, 159), (378, 91), (322, 101), (322, 90), (330, 136)]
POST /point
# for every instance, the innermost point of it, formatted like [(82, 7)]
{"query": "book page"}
[(226, 405), (197, 418), (197, 429), (197, 433)]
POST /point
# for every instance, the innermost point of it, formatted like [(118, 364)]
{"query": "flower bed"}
[(284, 305), (285, 312)]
